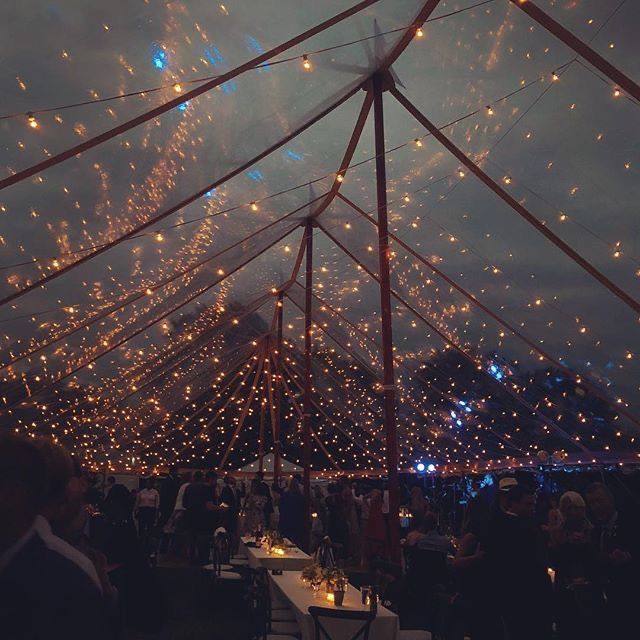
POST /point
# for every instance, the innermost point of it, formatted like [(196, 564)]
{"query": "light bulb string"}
[(397, 358), (258, 67), (355, 165)]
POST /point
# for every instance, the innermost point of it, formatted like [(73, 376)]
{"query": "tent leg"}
[(385, 309), (278, 394), (307, 381)]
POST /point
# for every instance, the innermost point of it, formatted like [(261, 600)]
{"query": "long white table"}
[(290, 588), (294, 559)]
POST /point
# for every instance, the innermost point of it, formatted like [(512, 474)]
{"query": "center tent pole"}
[(388, 387), (307, 381), (278, 394)]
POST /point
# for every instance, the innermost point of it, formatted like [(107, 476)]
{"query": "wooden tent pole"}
[(307, 380), (277, 446), (389, 388)]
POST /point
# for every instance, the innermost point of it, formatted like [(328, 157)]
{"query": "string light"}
[(306, 63), (158, 430), (419, 32), (32, 121)]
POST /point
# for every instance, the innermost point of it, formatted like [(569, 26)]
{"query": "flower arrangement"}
[(311, 571), (273, 539), (335, 579)]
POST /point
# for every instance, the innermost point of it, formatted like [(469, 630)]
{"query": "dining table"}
[(292, 558), (289, 587)]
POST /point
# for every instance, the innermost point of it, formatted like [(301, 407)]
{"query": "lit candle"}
[(330, 597)]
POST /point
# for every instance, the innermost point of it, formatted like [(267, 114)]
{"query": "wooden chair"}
[(261, 613), (366, 617)]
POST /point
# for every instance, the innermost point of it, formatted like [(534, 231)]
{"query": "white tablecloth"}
[(290, 588), (293, 560)]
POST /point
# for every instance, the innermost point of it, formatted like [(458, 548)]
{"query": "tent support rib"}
[(513, 203), (507, 325), (389, 389), (185, 97)]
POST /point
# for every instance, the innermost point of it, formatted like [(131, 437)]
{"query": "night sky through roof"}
[(145, 354)]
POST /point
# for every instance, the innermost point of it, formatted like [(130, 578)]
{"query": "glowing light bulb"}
[(490, 111), (177, 87), (306, 62), (460, 173), (419, 32), (418, 142), (31, 119), (507, 179), (159, 237), (617, 93), (555, 77), (339, 177), (254, 206)]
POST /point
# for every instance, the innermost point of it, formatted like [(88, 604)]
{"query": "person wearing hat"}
[(503, 486)]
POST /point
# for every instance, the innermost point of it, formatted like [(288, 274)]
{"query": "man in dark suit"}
[(616, 535), (517, 560), (48, 589)]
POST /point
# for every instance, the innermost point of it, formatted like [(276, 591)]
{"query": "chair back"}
[(221, 551), (321, 633), (260, 604)]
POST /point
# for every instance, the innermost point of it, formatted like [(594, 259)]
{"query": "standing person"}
[(336, 521), (376, 545), (146, 508), (195, 501), (616, 537), (264, 490), (48, 589), (254, 509), (518, 562), (578, 586), (475, 601), (176, 525), (230, 499), (291, 523), (168, 494), (418, 503), (352, 521)]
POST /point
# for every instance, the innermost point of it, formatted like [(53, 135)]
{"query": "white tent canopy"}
[(268, 465)]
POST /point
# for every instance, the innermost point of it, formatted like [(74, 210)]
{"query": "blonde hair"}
[(571, 499)]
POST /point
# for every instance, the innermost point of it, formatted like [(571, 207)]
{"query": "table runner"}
[(290, 588), (294, 559)]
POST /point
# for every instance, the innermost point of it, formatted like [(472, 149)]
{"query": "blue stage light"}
[(420, 467)]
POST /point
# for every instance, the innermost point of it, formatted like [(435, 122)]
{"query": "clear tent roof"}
[(155, 348)]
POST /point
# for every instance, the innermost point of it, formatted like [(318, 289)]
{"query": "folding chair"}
[(366, 617)]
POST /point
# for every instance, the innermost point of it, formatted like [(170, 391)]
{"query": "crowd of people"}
[(517, 573), (79, 554)]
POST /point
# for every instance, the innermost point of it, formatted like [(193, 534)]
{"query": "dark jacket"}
[(46, 596)]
